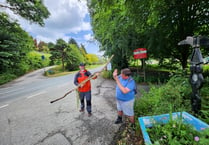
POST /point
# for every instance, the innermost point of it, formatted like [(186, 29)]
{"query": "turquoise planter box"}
[(148, 121)]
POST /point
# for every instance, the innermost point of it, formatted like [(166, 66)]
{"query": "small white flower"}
[(165, 136)]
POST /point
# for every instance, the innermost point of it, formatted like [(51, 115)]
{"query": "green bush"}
[(22, 68), (107, 74), (205, 101), (174, 96), (6, 77), (55, 70), (31, 61), (156, 76), (206, 70), (49, 72), (35, 61), (175, 93)]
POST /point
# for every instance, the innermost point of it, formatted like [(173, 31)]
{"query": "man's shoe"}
[(118, 121), (81, 110), (89, 114)]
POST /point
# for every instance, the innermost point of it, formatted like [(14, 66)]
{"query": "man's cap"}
[(126, 71), (82, 64)]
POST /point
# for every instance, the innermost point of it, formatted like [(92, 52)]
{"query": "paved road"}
[(33, 84), (28, 118)]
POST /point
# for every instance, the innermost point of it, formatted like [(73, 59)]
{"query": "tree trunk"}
[(143, 64), (184, 63), (63, 66), (185, 52)]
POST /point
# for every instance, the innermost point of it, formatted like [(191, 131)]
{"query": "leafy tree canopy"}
[(92, 58), (123, 25), (74, 57), (43, 47), (59, 51), (15, 43), (73, 41), (32, 10)]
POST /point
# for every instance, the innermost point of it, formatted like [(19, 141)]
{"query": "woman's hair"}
[(126, 71)]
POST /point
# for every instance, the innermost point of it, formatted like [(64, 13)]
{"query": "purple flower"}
[(202, 129), (196, 138)]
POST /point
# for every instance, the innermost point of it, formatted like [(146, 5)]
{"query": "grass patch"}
[(58, 71), (6, 77)]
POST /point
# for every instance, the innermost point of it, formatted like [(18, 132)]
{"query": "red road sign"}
[(140, 53)]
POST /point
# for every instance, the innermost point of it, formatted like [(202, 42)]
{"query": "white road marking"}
[(4, 106), (63, 85), (35, 95), (10, 91)]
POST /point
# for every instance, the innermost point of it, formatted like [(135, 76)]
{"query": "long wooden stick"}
[(83, 82)]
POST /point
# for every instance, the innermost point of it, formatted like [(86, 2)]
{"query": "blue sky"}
[(68, 19)]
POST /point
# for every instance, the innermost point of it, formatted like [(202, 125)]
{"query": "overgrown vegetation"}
[(176, 93), (176, 132), (124, 25), (16, 46), (16, 51), (173, 96)]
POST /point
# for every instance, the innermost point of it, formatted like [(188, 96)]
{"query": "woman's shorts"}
[(126, 106)]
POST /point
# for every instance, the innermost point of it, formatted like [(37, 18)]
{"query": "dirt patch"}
[(128, 135)]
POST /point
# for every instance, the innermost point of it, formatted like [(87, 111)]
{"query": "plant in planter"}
[(175, 132), (178, 128)]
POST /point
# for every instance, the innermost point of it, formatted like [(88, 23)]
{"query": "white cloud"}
[(88, 37), (67, 20), (67, 16)]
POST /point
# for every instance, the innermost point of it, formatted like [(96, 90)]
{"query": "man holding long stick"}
[(84, 90), (80, 84)]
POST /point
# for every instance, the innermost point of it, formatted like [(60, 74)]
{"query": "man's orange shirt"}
[(80, 77)]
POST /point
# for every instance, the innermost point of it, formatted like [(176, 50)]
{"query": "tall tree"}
[(68, 53), (43, 47), (15, 43), (121, 26), (59, 52), (83, 52), (111, 29), (171, 21), (83, 49), (51, 45), (92, 58), (74, 57), (32, 10), (73, 41)]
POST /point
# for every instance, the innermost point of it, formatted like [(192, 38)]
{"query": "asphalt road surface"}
[(28, 118)]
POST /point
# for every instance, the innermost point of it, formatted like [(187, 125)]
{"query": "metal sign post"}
[(141, 53), (43, 58)]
